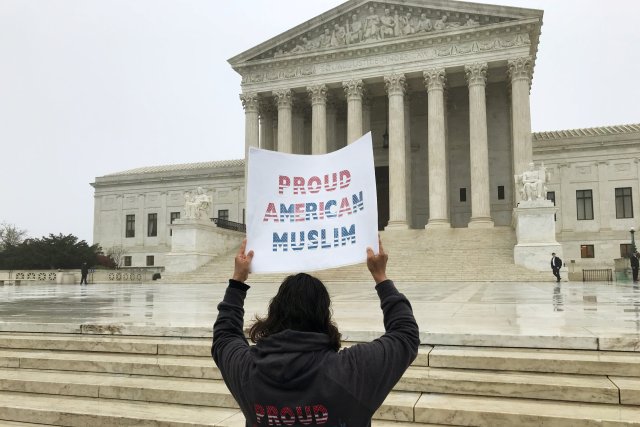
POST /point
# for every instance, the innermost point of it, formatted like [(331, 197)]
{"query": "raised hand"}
[(242, 263), (377, 264)]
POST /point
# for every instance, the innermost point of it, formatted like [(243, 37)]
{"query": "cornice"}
[(455, 10)]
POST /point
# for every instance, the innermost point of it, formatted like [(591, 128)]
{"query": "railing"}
[(600, 275), (230, 225)]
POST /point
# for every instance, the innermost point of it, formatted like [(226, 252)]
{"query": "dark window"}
[(624, 203), (586, 251), (463, 194), (130, 231), (584, 200), (223, 214), (127, 261), (626, 249), (150, 260), (152, 225), (551, 195), (174, 216), (500, 192), (243, 218)]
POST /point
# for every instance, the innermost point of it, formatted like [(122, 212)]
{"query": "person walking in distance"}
[(556, 264), (296, 374), (84, 271), (635, 263)]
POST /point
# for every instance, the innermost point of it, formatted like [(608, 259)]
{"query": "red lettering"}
[(345, 208), (306, 420), (273, 416), (331, 186), (314, 185), (287, 416), (321, 414), (271, 213), (345, 178), (298, 185), (299, 212), (283, 182), (259, 413)]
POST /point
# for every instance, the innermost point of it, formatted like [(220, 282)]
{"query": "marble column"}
[(354, 90), (435, 80), (366, 113), (519, 71), (251, 125), (479, 147), (274, 130), (163, 232), (407, 158), (284, 98), (266, 124), (395, 85), (332, 118), (567, 199), (297, 127), (318, 95)]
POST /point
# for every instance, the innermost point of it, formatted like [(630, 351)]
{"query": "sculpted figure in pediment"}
[(305, 46), (339, 36), (407, 25), (472, 23), (354, 30), (387, 24), (371, 26), (325, 39), (424, 24)]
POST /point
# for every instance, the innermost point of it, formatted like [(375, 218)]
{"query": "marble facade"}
[(445, 93), (443, 87)]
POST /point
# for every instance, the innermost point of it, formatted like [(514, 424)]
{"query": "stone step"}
[(130, 364), (586, 362), (111, 344), (84, 411), (629, 389), (184, 391), (137, 409), (576, 388), (497, 412)]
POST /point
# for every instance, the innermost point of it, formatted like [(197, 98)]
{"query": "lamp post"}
[(633, 240)]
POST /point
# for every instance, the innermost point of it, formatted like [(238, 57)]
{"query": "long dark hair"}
[(301, 304)]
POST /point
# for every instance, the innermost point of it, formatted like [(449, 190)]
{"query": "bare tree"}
[(116, 253), (11, 235)]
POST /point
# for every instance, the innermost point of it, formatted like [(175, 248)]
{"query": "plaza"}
[(491, 354)]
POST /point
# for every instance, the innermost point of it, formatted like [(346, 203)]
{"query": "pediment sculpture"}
[(371, 24)]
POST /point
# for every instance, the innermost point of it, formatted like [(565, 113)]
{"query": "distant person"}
[(84, 272), (635, 263), (556, 264), (296, 374)]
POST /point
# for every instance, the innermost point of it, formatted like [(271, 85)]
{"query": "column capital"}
[(266, 107), (520, 68), (354, 89), (318, 94), (395, 84), (434, 79), (283, 98), (476, 73), (250, 102)]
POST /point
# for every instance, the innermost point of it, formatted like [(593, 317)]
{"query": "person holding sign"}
[(296, 373)]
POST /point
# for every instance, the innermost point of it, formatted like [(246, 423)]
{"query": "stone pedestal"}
[(536, 234), (195, 242)]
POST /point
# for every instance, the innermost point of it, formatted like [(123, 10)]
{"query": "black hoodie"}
[(294, 378)]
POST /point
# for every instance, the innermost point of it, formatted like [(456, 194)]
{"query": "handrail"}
[(230, 225)]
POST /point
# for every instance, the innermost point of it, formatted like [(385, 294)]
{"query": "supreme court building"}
[(443, 86)]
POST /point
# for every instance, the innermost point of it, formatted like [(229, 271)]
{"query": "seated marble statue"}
[(196, 205), (532, 183)]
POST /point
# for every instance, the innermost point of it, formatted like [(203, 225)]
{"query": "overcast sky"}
[(91, 87)]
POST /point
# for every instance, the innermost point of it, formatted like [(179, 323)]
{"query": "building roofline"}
[(585, 132)]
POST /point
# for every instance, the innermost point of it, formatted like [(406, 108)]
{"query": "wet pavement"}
[(567, 309)]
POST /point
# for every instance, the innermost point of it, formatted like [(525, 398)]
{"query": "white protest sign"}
[(308, 213)]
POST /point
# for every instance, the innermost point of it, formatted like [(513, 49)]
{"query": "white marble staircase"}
[(99, 380), (457, 254)]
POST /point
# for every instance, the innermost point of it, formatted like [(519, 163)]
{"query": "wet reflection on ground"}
[(566, 308)]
